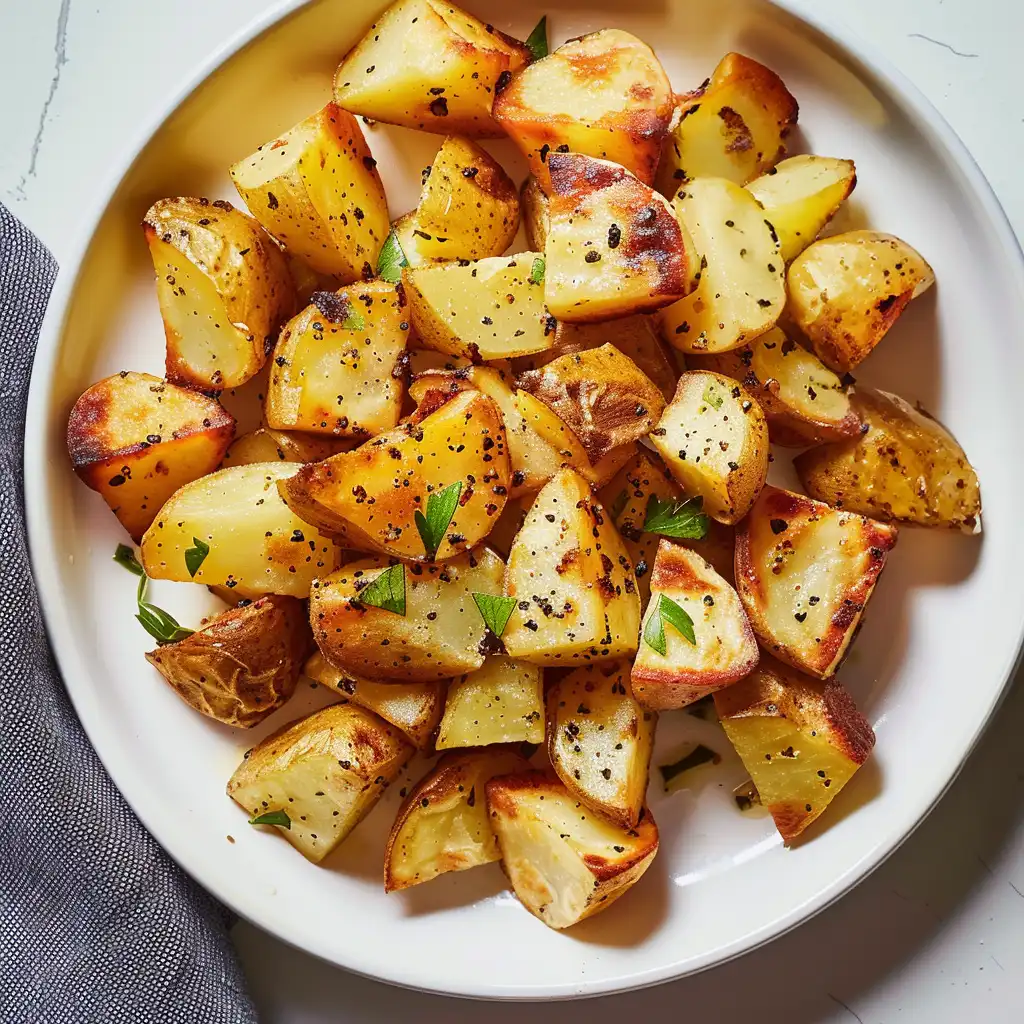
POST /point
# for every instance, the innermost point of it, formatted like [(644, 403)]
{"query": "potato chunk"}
[(742, 289), (257, 545), (324, 772), (565, 863), (733, 127), (604, 95), (223, 287), (845, 292), (613, 247), (337, 365), (427, 64), (805, 572), (405, 230), (906, 467), (800, 739), (533, 206), (443, 824), (428, 629), (136, 440), (243, 664), (714, 439), (569, 568), (316, 189), (265, 445)]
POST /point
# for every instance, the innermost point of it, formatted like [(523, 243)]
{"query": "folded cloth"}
[(97, 924)]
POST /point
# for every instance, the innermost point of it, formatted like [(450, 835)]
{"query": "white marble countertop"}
[(937, 934)]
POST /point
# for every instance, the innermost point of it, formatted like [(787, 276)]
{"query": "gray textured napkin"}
[(97, 924)]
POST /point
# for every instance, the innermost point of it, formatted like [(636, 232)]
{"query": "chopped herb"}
[(354, 322), (712, 397), (667, 611), (386, 591), (696, 757), (391, 260), (495, 611), (163, 628), (682, 519), (125, 557), (441, 507), (537, 271), (746, 795), (537, 41), (273, 818), (195, 556)]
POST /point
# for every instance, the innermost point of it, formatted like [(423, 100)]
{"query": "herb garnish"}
[(537, 271), (667, 611), (163, 628), (273, 818), (441, 507), (391, 260), (696, 757), (495, 611), (195, 556), (537, 41), (683, 519), (712, 397), (354, 322), (386, 591)]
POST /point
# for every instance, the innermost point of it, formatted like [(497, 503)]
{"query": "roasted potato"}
[(242, 664), (136, 440), (533, 207), (724, 649), (714, 439), (316, 189), (802, 399), (734, 126), (256, 544), (906, 467), (323, 773), (409, 239), (600, 740), (565, 863), (509, 523), (742, 290), (845, 292), (572, 580), (613, 246), (223, 287), (427, 64), (801, 195), (604, 95), (501, 702), (265, 445), (805, 572), (417, 624), (800, 739), (338, 364), (443, 824)]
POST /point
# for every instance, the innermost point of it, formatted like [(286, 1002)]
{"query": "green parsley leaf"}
[(619, 505), (667, 611), (654, 632), (125, 557), (537, 271), (537, 41), (391, 260), (696, 757), (160, 625), (354, 322), (441, 507), (495, 611), (273, 818), (683, 519), (195, 556), (386, 591), (712, 397)]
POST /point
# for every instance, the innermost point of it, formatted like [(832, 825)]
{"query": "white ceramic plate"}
[(942, 632)]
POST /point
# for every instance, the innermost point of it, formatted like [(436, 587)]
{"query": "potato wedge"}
[(604, 95), (223, 287), (714, 439), (427, 64), (266, 445), (802, 399), (805, 572), (742, 288), (614, 246), (565, 863), (324, 772), (800, 739), (257, 545), (801, 195), (501, 702), (725, 649), (337, 365), (845, 292), (533, 207), (316, 189), (572, 579), (242, 664), (406, 232), (906, 467), (428, 628), (136, 440), (734, 126)]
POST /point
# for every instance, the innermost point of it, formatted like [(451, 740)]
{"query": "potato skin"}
[(533, 206)]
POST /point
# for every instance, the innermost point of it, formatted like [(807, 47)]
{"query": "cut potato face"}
[(742, 290), (572, 581), (428, 65), (565, 863), (845, 292), (443, 823), (600, 740), (801, 195), (613, 247), (805, 572), (533, 207), (733, 127), (316, 189), (724, 650), (604, 95), (325, 772), (369, 497), (243, 664), (906, 467), (265, 445), (419, 623), (713, 437), (136, 439), (406, 232), (223, 287), (337, 365), (800, 739)]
